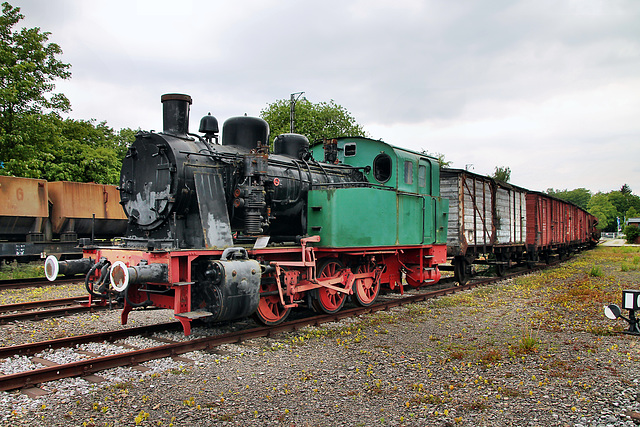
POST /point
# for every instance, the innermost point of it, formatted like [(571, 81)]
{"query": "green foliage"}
[(625, 204), (28, 67), (606, 206), (441, 159), (35, 142), (603, 209), (87, 152), (631, 232), (579, 196), (502, 173), (529, 342), (624, 201), (21, 271), (67, 150), (596, 271), (315, 121)]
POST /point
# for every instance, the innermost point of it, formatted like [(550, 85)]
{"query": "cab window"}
[(382, 168), (408, 172), (422, 176), (350, 149)]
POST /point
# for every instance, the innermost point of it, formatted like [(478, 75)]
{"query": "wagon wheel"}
[(270, 310), (546, 258), (365, 291), (461, 270), (499, 268), (532, 259), (324, 299)]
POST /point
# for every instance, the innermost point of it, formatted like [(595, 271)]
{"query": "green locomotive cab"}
[(398, 205)]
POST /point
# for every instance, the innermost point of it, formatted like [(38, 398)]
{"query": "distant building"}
[(634, 221)]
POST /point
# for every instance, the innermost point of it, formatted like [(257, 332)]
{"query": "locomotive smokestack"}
[(175, 114)]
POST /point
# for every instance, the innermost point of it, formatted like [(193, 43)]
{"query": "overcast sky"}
[(549, 88)]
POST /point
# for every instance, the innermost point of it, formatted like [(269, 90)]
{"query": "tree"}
[(86, 152), (441, 159), (603, 209), (631, 233), (28, 67), (606, 206), (315, 121), (68, 150), (578, 196), (35, 142), (502, 173), (28, 108)]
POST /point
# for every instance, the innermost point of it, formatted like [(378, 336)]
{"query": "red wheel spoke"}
[(366, 290), (270, 309), (329, 300)]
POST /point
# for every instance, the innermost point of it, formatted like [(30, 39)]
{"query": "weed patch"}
[(17, 270)]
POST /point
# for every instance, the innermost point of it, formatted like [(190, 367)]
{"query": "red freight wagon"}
[(557, 227)]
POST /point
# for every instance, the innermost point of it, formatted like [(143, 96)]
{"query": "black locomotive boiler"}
[(175, 185)]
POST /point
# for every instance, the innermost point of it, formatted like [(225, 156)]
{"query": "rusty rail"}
[(36, 282), (91, 366)]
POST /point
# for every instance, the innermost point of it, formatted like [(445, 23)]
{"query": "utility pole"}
[(292, 110)]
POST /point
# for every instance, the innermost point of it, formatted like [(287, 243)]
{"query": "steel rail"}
[(91, 366), (52, 312), (30, 305), (32, 348), (36, 282)]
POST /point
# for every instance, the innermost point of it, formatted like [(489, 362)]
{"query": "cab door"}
[(429, 203)]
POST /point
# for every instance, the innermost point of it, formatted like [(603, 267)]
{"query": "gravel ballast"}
[(532, 351)]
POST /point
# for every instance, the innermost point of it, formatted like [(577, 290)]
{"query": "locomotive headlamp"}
[(631, 302)]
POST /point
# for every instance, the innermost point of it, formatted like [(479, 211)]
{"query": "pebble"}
[(399, 377)]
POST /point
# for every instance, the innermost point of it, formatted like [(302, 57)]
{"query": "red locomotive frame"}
[(330, 273)]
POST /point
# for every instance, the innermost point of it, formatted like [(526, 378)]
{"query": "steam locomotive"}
[(225, 229)]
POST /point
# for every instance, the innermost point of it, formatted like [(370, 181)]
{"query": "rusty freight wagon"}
[(86, 210), (557, 227), (39, 218)]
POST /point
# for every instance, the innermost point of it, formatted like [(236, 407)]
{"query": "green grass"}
[(528, 344), (17, 270), (596, 271)]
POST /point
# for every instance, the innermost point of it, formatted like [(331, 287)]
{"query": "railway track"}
[(36, 282), (36, 310), (95, 363)]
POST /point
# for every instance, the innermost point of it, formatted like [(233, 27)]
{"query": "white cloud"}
[(546, 87)]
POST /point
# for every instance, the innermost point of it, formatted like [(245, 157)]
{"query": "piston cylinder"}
[(228, 288)]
